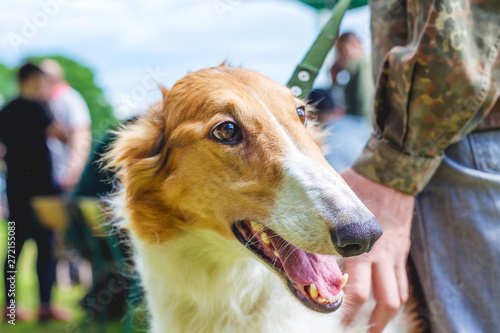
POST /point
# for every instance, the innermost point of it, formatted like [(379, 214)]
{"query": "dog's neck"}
[(202, 282)]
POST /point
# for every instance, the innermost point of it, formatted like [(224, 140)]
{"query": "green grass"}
[(53, 327), (27, 294)]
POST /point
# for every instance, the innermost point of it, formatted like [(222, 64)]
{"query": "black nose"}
[(352, 239)]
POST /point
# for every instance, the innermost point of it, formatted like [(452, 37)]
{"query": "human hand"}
[(384, 267)]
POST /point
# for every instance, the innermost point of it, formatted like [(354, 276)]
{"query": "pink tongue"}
[(304, 268)]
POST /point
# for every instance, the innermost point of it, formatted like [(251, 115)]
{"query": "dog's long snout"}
[(355, 238)]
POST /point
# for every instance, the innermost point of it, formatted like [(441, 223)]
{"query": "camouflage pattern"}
[(438, 77)]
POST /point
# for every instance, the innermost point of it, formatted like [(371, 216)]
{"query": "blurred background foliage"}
[(63, 297), (7, 83), (322, 4), (80, 77)]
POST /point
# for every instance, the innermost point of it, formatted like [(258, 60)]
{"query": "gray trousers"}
[(456, 238)]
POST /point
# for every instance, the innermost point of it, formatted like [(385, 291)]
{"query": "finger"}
[(386, 294), (402, 278), (358, 288)]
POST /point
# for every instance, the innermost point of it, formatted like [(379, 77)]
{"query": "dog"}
[(235, 216)]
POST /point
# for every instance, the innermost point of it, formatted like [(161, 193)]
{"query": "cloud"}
[(121, 40)]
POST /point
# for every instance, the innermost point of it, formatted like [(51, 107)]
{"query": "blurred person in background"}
[(347, 134), (352, 62), (25, 126), (3, 199), (71, 111)]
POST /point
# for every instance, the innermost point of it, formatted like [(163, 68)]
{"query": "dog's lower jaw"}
[(202, 282)]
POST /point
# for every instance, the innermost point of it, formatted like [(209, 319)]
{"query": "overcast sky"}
[(130, 44)]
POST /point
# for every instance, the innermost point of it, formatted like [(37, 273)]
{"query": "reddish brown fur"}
[(175, 176)]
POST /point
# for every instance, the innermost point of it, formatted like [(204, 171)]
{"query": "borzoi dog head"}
[(229, 150)]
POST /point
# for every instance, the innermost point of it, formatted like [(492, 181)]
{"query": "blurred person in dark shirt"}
[(25, 124)]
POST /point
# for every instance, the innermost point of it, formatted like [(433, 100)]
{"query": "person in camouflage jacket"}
[(437, 67), (438, 79)]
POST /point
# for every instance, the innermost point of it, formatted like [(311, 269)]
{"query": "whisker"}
[(249, 242)]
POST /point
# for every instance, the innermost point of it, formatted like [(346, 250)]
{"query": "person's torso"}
[(23, 125), (66, 106)]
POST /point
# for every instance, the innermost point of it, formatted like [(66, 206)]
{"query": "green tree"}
[(8, 86)]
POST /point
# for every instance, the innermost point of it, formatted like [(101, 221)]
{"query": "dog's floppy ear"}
[(138, 153)]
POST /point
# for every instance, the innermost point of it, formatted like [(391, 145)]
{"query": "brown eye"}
[(301, 111), (227, 133)]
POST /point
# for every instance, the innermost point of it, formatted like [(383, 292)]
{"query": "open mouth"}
[(315, 279)]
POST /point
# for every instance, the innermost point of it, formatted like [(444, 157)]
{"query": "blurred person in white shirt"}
[(71, 111)]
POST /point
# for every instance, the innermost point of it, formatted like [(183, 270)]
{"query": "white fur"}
[(311, 201), (202, 282)]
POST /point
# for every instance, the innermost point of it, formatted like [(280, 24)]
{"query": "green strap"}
[(305, 73)]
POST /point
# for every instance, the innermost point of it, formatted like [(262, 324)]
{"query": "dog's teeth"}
[(336, 298), (256, 226), (265, 238), (330, 300), (345, 277), (313, 291)]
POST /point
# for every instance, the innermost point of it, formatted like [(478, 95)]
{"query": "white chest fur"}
[(201, 282)]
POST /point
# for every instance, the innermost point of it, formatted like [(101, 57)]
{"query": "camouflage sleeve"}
[(438, 78)]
